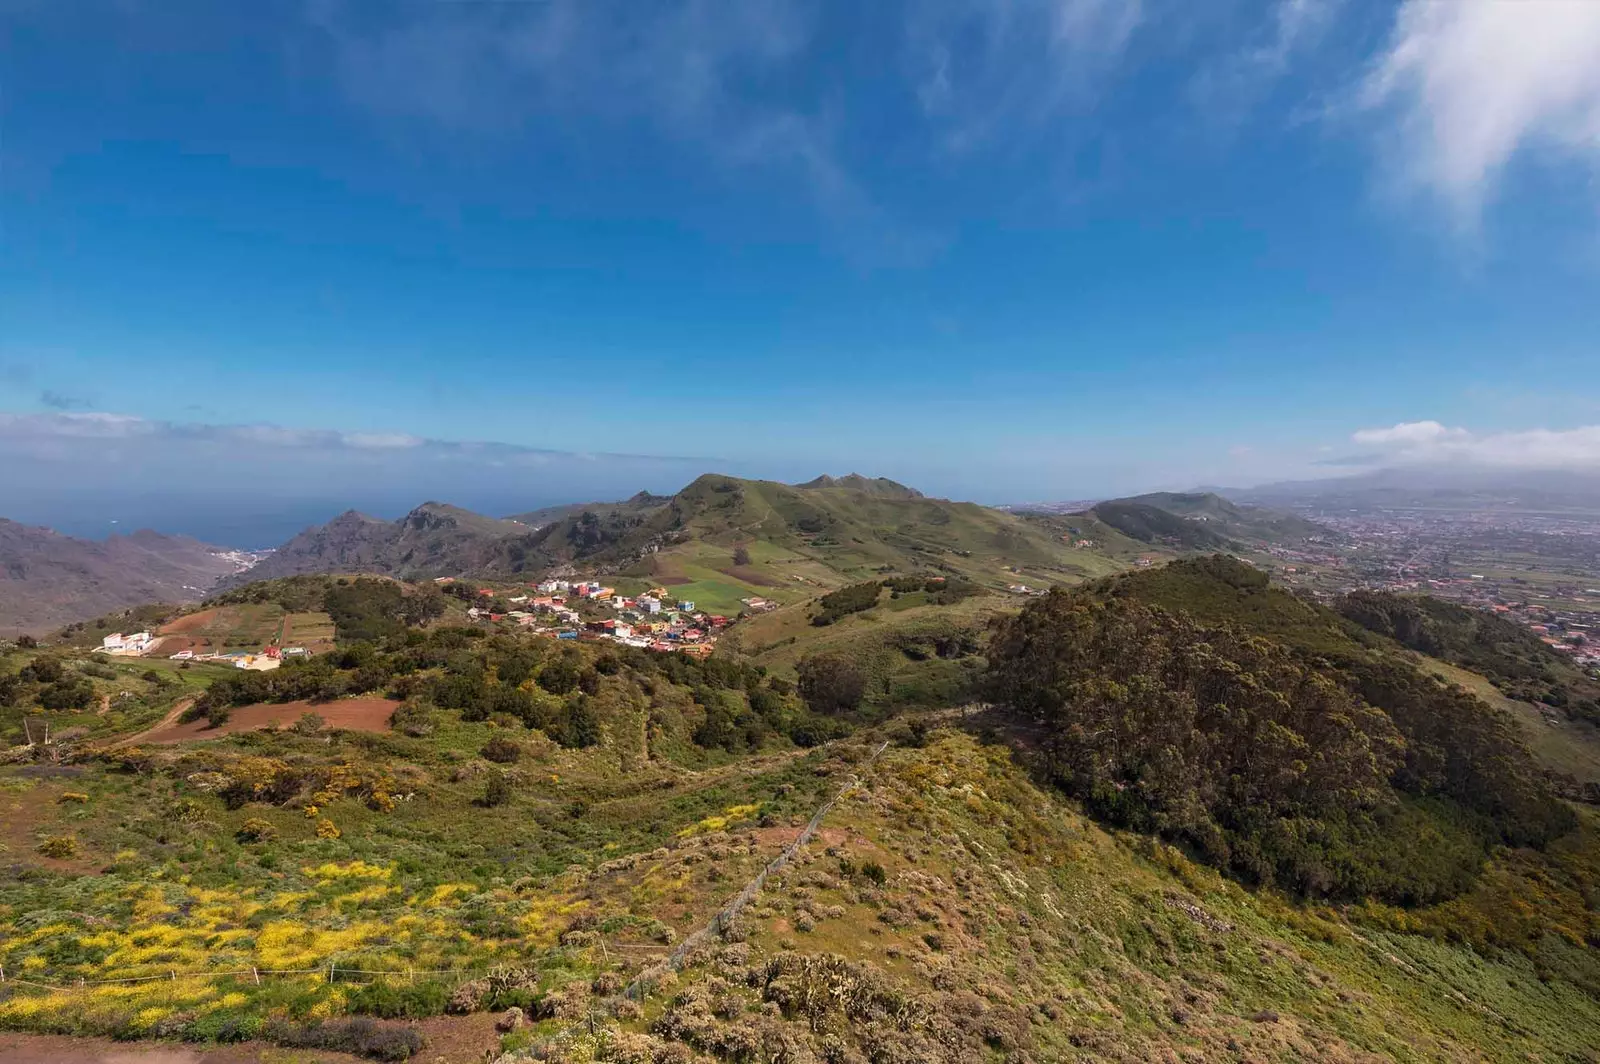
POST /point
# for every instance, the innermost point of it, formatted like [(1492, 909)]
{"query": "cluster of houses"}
[(652, 620), (131, 645), (137, 644)]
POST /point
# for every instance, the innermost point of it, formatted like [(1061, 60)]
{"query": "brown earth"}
[(449, 1040), (355, 714), (192, 622), (748, 575), (37, 811), (61, 1049)]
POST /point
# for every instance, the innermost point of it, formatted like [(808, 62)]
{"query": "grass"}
[(1561, 744)]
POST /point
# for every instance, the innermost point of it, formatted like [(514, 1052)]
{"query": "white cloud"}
[(1408, 433), (381, 440), (1469, 84), (1429, 442)]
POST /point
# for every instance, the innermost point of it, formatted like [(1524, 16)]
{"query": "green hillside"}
[(718, 541), (1204, 819), (1152, 524), (1252, 524), (807, 539), (1200, 521), (1518, 663)]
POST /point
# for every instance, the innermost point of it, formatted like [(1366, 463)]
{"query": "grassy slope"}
[(807, 540), (1560, 743), (1000, 902)]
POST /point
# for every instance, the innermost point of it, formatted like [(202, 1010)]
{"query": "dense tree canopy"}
[(1271, 763)]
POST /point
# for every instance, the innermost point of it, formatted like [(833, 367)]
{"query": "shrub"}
[(501, 750), (873, 872), (59, 847), (309, 724), (497, 791), (327, 829), (400, 1002), (256, 830), (72, 796), (414, 719), (361, 1036), (218, 714)]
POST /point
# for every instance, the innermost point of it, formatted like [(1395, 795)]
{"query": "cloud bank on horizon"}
[(1423, 443), (254, 485)]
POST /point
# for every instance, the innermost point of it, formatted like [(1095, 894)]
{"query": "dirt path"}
[(167, 721), (60, 1049), (729, 912)]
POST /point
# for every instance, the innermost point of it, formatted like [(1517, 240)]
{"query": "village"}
[(589, 610), (556, 609)]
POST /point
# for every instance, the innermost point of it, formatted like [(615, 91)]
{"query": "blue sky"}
[(1004, 250)]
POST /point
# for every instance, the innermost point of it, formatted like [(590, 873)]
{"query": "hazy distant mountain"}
[(48, 579), (639, 503), (1438, 488), (435, 539), (1196, 521)]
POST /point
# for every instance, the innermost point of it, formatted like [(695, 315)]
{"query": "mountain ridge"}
[(48, 578)]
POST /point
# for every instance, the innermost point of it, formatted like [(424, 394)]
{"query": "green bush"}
[(392, 1002), (497, 791)]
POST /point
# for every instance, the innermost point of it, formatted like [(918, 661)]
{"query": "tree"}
[(559, 676), (830, 683), (741, 555), (27, 642), (68, 693)]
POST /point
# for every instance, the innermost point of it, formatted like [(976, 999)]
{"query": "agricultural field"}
[(312, 630)]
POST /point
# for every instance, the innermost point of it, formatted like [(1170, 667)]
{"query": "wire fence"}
[(728, 913)]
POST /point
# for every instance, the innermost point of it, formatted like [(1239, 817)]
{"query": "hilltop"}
[(48, 579), (719, 540)]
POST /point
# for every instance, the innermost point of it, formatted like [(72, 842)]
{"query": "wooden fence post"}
[(256, 972)]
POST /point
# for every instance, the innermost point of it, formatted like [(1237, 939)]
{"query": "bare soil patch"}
[(355, 714), (27, 815), (192, 622), (61, 1049), (747, 575)]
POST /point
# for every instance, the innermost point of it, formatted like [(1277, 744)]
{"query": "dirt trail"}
[(729, 912), (167, 721)]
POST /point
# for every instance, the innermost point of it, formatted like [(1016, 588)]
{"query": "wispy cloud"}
[(61, 401), (1430, 442), (705, 76), (1226, 87), (1466, 86), (981, 71)]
